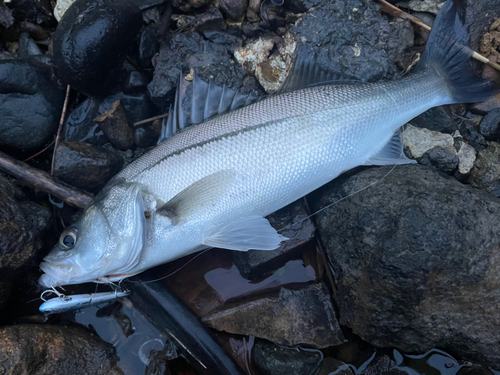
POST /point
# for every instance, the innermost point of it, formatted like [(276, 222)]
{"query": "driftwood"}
[(44, 181)]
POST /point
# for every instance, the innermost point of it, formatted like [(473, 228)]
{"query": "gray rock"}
[(291, 222), (352, 37), (86, 166), (30, 105), (290, 317), (416, 259), (272, 359), (52, 350), (486, 171), (184, 52), (490, 125), (22, 223), (431, 6)]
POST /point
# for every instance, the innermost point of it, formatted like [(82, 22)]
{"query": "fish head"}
[(106, 240)]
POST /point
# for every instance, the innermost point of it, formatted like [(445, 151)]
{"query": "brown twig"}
[(151, 119), (40, 152), (59, 129), (43, 181), (396, 12)]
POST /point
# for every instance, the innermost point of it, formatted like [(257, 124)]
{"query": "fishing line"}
[(174, 272)]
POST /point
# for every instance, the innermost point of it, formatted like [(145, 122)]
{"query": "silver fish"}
[(212, 184)]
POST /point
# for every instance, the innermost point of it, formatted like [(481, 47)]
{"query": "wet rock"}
[(469, 131), (430, 6), (382, 365), (158, 364), (479, 15), (80, 124), (443, 158), (149, 46), (137, 107), (400, 39), (136, 83), (38, 12), (490, 125), (439, 119), (115, 126), (30, 105), (186, 5), (441, 150), (290, 317), (184, 52), (299, 230), (300, 6), (487, 106), (146, 135), (27, 47), (85, 166), (474, 370), (352, 37), (486, 171), (272, 359), (92, 41), (332, 365), (53, 350), (6, 19), (21, 224), (211, 20), (233, 9), (423, 254), (230, 41)]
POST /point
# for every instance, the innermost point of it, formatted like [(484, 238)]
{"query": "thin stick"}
[(39, 152), (59, 129), (396, 12), (43, 181), (151, 119)]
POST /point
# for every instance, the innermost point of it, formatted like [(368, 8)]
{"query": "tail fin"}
[(448, 52)]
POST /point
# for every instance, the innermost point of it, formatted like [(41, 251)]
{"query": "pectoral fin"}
[(392, 153), (199, 195), (251, 232)]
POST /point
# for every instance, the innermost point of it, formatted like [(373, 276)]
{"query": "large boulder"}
[(417, 257)]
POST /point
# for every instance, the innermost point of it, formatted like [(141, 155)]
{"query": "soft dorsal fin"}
[(197, 195), (392, 153), (198, 101), (307, 73)]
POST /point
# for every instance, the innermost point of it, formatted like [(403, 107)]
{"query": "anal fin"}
[(392, 153)]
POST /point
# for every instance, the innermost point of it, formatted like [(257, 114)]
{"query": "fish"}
[(64, 303), (212, 184)]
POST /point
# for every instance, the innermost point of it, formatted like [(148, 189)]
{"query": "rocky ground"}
[(408, 266)]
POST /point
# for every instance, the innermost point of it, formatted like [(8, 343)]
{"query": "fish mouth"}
[(54, 274)]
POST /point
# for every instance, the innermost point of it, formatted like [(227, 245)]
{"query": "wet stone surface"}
[(429, 266), (486, 171), (91, 42), (53, 350), (30, 105), (284, 317), (22, 223), (86, 166), (272, 359), (490, 125), (291, 222)]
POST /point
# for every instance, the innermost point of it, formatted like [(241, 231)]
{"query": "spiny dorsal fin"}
[(198, 101), (307, 73)]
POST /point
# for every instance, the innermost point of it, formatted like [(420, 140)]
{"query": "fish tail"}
[(448, 53)]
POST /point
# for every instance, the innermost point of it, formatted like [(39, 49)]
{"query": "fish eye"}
[(68, 238)]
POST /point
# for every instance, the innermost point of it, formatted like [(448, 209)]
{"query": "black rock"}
[(30, 105), (439, 119), (135, 83), (441, 158), (211, 20), (185, 5), (230, 41), (22, 223), (38, 12), (137, 107), (469, 132), (351, 37), (86, 166), (272, 359), (149, 46), (300, 6), (80, 124), (27, 47), (233, 9), (416, 251), (145, 135), (486, 171), (490, 125), (52, 350), (186, 51), (92, 40)]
